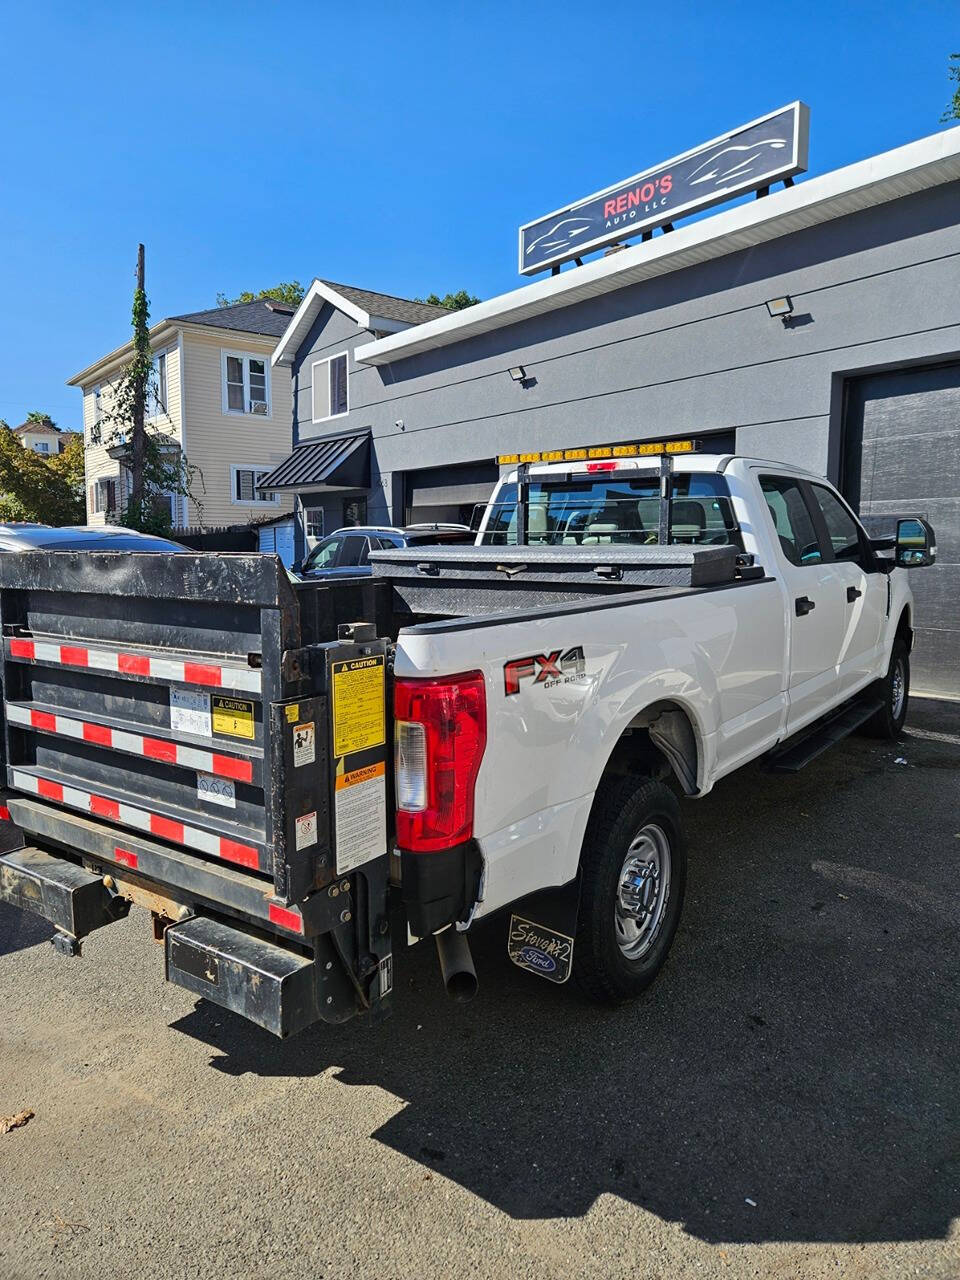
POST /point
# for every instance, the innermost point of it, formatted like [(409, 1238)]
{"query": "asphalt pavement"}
[(784, 1102)]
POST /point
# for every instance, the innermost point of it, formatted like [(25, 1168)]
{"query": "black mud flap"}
[(73, 900), (542, 929), (279, 989)]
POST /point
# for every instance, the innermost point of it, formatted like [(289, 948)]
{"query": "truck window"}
[(842, 529), (604, 509), (791, 519)]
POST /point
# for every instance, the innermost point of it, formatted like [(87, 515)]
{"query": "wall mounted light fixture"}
[(781, 307), (518, 373)]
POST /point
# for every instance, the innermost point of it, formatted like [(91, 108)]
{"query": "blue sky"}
[(395, 147)]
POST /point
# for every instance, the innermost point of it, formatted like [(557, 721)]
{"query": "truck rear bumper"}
[(267, 984), (232, 963), (72, 899)]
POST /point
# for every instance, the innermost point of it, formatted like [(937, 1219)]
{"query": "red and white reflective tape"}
[(136, 744), (244, 855), (180, 670)]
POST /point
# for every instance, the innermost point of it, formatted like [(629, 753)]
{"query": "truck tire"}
[(633, 876), (894, 689)]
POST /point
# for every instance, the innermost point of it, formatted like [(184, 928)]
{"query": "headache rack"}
[(196, 734)]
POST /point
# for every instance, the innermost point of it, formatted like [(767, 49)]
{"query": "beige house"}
[(219, 400), (40, 435)]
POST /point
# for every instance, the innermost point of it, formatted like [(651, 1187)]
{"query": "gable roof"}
[(46, 427), (264, 315), (915, 167), (367, 309)]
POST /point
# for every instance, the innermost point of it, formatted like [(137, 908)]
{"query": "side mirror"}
[(916, 544), (297, 566)]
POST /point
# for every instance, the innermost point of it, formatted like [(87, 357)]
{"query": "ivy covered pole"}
[(140, 371)]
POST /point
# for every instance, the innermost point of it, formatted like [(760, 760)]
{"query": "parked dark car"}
[(41, 537), (344, 554)]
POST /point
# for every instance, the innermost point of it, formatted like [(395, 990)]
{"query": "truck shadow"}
[(19, 930), (793, 1075)]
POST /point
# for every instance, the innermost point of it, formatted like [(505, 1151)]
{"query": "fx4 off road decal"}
[(540, 950), (549, 669)]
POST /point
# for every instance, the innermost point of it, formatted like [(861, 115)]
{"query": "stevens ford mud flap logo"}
[(540, 950), (563, 666)]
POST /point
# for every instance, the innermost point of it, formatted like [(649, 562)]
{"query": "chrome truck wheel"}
[(643, 892)]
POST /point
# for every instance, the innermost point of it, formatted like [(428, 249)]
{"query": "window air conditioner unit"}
[(258, 406)]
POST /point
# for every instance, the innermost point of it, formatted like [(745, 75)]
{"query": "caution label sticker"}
[(304, 744), (358, 710), (360, 812), (233, 717)]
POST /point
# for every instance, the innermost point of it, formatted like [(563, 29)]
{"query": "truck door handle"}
[(803, 605), (853, 593)]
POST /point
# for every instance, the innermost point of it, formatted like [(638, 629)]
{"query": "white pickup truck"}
[(581, 722), (297, 778)]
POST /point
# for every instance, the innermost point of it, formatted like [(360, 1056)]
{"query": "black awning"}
[(337, 462)]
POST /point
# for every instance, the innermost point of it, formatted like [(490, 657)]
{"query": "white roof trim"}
[(307, 312), (901, 172)]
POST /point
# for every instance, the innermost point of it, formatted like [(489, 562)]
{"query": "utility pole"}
[(141, 378)]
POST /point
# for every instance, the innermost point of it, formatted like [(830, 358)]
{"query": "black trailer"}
[(182, 733)]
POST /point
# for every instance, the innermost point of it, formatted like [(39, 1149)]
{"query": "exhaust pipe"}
[(456, 965)]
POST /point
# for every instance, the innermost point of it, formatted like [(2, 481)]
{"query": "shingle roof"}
[(386, 305), (262, 316), (45, 426)]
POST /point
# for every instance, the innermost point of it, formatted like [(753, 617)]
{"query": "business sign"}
[(764, 151)]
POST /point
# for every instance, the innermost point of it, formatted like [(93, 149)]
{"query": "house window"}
[(331, 398), (246, 384), (158, 392), (243, 487), (105, 496), (97, 406), (313, 522), (41, 446)]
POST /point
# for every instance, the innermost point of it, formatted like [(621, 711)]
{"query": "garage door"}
[(449, 494), (902, 453)]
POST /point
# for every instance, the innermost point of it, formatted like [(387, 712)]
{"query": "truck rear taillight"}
[(440, 734)]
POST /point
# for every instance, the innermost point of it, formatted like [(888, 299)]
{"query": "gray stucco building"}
[(406, 412)]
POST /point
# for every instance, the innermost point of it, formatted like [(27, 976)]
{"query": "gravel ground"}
[(785, 1102)]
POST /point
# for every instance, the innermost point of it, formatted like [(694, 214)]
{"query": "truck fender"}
[(664, 733)]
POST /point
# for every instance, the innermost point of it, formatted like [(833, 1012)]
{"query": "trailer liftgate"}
[(179, 733)]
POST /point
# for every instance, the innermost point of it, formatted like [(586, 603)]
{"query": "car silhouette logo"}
[(561, 235), (730, 164)]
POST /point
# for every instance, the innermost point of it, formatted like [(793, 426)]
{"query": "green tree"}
[(36, 415), (291, 292), (953, 110), (452, 301), (35, 487), (155, 462)]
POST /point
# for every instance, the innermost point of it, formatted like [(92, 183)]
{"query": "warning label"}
[(358, 713), (190, 712), (304, 745), (305, 831), (360, 810), (233, 717)]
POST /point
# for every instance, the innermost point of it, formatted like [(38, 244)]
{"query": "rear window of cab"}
[(623, 510)]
